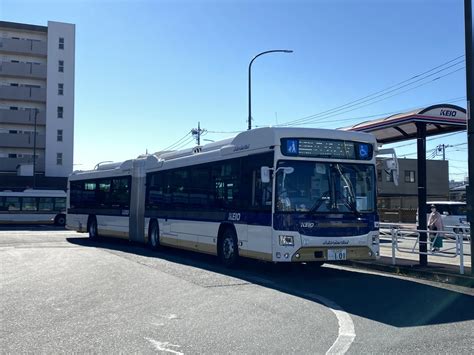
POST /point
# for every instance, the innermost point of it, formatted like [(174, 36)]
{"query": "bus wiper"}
[(318, 202), (351, 205)]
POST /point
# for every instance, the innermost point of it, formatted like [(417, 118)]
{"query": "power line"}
[(430, 139), (171, 147), (312, 121), (379, 93)]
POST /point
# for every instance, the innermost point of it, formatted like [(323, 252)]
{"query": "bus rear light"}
[(278, 255), (287, 255), (287, 240), (375, 240)]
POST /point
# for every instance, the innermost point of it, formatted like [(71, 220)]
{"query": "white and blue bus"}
[(33, 207), (274, 194)]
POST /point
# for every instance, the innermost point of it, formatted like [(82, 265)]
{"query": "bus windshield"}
[(318, 187)]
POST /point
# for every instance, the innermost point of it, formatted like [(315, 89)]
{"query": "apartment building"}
[(36, 104)]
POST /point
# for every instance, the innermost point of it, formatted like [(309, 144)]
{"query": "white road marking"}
[(346, 327), (163, 346), (171, 316)]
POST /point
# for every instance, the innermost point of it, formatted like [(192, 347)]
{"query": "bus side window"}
[(103, 194), (257, 195), (60, 204), (12, 203), (45, 204), (3, 206), (29, 204), (120, 192)]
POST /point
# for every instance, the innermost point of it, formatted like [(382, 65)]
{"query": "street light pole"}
[(250, 79)]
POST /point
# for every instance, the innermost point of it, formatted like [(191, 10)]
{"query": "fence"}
[(398, 233)]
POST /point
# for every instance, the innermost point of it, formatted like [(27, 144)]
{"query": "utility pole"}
[(197, 132), (470, 120)]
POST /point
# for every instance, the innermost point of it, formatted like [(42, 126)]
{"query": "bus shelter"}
[(417, 124)]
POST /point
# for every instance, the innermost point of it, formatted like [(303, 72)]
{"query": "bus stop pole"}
[(421, 162), (470, 121)]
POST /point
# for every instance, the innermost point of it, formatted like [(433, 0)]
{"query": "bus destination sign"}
[(326, 148)]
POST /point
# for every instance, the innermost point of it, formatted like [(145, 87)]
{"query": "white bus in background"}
[(33, 207), (274, 194)]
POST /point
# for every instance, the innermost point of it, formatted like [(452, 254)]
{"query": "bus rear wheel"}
[(228, 250), (154, 236), (92, 228)]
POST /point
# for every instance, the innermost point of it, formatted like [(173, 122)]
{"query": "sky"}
[(148, 71)]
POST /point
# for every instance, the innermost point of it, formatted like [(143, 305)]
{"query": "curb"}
[(417, 272)]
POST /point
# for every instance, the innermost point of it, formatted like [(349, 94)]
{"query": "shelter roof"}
[(439, 119)]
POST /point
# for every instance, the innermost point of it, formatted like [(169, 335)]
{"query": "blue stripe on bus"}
[(250, 218)]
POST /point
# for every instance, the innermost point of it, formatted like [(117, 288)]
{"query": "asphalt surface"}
[(61, 292)]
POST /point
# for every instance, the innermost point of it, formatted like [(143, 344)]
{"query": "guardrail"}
[(398, 233)]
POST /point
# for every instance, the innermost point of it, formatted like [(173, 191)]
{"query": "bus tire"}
[(154, 235), (92, 227), (227, 248), (60, 220)]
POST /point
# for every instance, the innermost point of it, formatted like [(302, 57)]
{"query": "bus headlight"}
[(287, 240)]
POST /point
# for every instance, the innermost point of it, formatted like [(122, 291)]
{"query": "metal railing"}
[(432, 237)]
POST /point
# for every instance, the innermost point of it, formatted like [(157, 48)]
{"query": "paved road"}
[(61, 292)]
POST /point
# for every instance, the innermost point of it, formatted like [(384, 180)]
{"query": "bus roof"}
[(259, 139)]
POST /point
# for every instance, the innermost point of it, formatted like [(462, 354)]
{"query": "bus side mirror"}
[(391, 164), (265, 174)]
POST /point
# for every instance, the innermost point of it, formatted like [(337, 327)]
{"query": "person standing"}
[(435, 223)]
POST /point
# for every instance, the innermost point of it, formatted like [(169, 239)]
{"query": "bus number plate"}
[(337, 254)]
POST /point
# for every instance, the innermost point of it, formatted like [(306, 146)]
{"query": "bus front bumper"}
[(308, 254)]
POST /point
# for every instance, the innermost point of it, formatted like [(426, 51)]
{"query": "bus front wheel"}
[(227, 248), (92, 228), (60, 220), (154, 235)]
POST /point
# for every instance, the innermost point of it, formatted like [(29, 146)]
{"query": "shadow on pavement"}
[(389, 300)]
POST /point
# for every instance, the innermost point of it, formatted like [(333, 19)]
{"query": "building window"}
[(60, 135), (13, 107), (409, 176), (59, 158), (12, 155), (61, 66), (60, 111), (61, 43), (60, 89)]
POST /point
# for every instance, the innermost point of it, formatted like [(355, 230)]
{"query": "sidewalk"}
[(439, 269)]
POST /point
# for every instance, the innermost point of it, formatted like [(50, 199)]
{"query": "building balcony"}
[(26, 117), (24, 70), (21, 140), (22, 93), (23, 46), (11, 164)]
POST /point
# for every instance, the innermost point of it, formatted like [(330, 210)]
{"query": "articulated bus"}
[(274, 194), (33, 207)]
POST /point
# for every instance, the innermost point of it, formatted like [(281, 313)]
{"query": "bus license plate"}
[(337, 254)]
